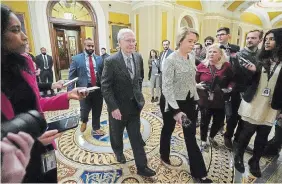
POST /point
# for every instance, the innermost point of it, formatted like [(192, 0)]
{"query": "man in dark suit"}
[(121, 90), (88, 68), (223, 36), (45, 64), (165, 53), (104, 53)]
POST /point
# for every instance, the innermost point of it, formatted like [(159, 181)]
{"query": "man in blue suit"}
[(88, 68)]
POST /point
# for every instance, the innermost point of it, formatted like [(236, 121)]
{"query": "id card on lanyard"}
[(48, 160), (267, 91)]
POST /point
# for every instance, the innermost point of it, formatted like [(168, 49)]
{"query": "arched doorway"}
[(186, 22), (70, 23)]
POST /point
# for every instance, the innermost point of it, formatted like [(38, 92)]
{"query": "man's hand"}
[(116, 114), (251, 67)]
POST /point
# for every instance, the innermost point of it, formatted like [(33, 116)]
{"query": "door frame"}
[(63, 22)]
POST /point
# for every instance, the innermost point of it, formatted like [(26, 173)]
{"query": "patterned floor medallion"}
[(84, 158)]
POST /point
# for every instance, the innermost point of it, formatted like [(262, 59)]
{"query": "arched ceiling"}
[(265, 13)]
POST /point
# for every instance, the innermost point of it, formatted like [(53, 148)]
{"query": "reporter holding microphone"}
[(20, 93), (179, 102)]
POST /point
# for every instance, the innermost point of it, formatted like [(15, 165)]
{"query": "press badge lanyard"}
[(272, 72), (266, 91)]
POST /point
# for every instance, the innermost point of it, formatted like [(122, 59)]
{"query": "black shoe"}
[(200, 180), (249, 149), (213, 142), (156, 99), (228, 143), (146, 172), (165, 160), (254, 168), (239, 163), (121, 158), (152, 100)]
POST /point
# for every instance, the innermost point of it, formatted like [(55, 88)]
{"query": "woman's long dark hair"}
[(274, 54), (11, 63), (156, 54)]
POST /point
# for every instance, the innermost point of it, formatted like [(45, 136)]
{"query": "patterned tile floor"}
[(83, 158)]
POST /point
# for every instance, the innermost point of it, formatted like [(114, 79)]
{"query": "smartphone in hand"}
[(70, 82), (89, 90), (64, 124)]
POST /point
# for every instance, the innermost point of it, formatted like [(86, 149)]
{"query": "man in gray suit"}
[(121, 91)]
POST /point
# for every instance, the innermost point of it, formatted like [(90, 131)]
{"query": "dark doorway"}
[(67, 44)]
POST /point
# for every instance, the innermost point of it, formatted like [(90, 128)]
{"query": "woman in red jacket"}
[(215, 75), (20, 93)]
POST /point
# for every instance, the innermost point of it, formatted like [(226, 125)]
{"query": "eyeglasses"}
[(130, 41), (219, 35)]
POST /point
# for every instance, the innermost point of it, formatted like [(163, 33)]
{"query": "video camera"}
[(31, 122)]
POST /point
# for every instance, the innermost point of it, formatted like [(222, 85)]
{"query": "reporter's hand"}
[(200, 85), (37, 72), (78, 94), (49, 136), (251, 67), (226, 90), (178, 116), (58, 84), (116, 114), (14, 160)]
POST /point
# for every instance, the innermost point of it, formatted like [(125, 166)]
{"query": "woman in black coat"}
[(274, 145)]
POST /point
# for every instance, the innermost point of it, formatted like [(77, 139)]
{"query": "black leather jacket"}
[(242, 76)]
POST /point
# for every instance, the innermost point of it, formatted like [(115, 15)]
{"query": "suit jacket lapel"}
[(122, 65)]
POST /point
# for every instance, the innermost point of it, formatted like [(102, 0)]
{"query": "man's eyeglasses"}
[(219, 35), (130, 41)]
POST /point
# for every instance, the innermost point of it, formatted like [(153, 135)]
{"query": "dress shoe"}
[(156, 99), (249, 149), (213, 142), (98, 132), (165, 160), (146, 171), (254, 168), (201, 180), (239, 163), (121, 158), (83, 127), (228, 143)]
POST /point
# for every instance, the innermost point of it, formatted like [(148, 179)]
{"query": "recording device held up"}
[(31, 122)]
